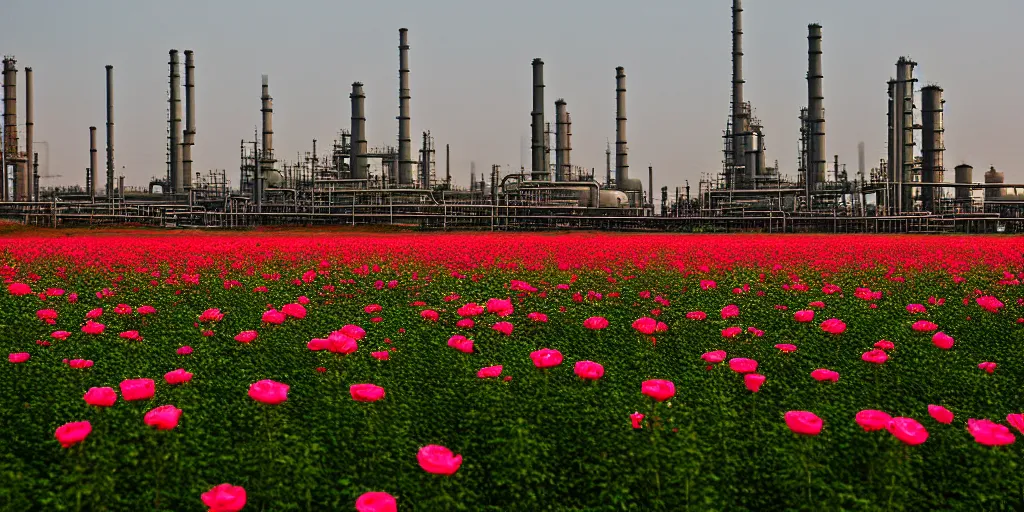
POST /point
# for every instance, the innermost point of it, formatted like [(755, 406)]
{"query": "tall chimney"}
[(538, 170), (739, 118), (357, 162), (94, 169), (267, 160), (10, 126), (815, 108), (405, 161), (447, 164), (174, 122), (621, 152), (860, 160), (932, 145), (26, 183), (561, 122), (567, 173), (110, 131), (190, 120)]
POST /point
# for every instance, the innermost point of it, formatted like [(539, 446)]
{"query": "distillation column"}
[(110, 131), (357, 162), (932, 145), (174, 121), (539, 171), (25, 184), (190, 121), (815, 110), (561, 141), (739, 118), (405, 161)]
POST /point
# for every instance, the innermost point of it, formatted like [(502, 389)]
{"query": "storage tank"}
[(993, 176), (613, 199), (964, 174)]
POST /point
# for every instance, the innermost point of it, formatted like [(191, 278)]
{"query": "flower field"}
[(486, 372)]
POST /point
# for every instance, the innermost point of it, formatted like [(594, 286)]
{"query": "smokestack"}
[(94, 169), (110, 131), (815, 108), (405, 161), (901, 133), (561, 121), (932, 145), (539, 171), (267, 161), (10, 125), (650, 186), (190, 120), (739, 128), (174, 122), (621, 152), (447, 164), (357, 162), (860, 160), (26, 184), (567, 174)]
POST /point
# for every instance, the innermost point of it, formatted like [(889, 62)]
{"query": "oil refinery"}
[(351, 181)]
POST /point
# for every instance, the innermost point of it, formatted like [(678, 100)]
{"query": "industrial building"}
[(351, 182)]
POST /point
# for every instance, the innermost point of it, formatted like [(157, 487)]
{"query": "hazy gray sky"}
[(471, 75)]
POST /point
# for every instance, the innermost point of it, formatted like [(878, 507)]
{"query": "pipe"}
[(26, 184), (35, 173), (357, 162), (538, 169), (650, 186), (815, 108), (267, 160), (561, 120), (94, 169), (405, 161), (447, 164), (568, 146), (608, 165), (110, 131), (174, 122), (932, 145), (10, 126), (739, 128), (190, 120)]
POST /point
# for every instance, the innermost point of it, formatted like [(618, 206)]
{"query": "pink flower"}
[(731, 332), (500, 307), (382, 355), (989, 303), (730, 311), (803, 422), (876, 356), (833, 326), (987, 366), (179, 376), (373, 308), (941, 414), (79, 364), (94, 328), (131, 335), (753, 381), (503, 327), (353, 331), (184, 351), (366, 392), (915, 309), (804, 315), (742, 365), (145, 310), (595, 323), (72, 433), (211, 315), (18, 357), (100, 397), (19, 289), (60, 335), (1016, 421), (489, 372), (637, 419), (294, 310), (224, 498), (246, 336), (534, 316), (714, 357), (908, 430), (588, 370), (696, 315), (465, 323), (164, 417), (884, 345), (942, 340), (546, 358), (471, 309), (461, 343), (786, 347), (438, 460), (871, 420), (269, 392), (123, 309), (273, 317), (376, 502), (658, 389), (924, 326), (989, 433), (645, 325), (338, 343), (137, 389), (823, 374)]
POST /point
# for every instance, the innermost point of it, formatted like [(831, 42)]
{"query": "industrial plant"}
[(353, 181)]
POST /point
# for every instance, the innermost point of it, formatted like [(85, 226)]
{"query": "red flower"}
[(366, 392), (753, 381), (908, 430), (588, 370), (803, 422), (546, 358), (489, 372), (72, 433), (658, 389), (871, 420), (376, 502), (742, 365), (224, 498), (438, 460)]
